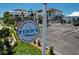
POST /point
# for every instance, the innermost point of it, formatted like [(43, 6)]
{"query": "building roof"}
[(14, 11), (52, 10), (74, 14), (21, 10)]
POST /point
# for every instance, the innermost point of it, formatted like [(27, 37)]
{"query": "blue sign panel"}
[(28, 31)]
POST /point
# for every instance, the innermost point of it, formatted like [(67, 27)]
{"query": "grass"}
[(26, 49)]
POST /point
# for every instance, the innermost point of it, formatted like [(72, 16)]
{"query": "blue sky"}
[(67, 8)]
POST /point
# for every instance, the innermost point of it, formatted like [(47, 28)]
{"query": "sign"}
[(28, 31)]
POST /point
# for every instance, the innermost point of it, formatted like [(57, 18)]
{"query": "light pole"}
[(44, 28)]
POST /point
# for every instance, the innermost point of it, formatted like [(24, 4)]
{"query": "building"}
[(74, 17), (20, 12), (51, 12)]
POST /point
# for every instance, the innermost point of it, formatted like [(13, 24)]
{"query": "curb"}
[(47, 51)]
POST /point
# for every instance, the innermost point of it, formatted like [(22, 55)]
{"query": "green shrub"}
[(1, 46)]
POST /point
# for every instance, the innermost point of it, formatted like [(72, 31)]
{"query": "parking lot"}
[(64, 38)]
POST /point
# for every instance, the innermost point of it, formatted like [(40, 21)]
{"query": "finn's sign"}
[(28, 31)]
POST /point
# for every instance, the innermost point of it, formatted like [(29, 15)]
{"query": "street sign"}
[(28, 31)]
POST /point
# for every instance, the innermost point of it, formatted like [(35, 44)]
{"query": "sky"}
[(67, 8)]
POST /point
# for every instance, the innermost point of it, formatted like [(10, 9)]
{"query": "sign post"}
[(44, 29)]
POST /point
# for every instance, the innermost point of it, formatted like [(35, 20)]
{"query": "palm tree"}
[(17, 19), (31, 16), (40, 19)]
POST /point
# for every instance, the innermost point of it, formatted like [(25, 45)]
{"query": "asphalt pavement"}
[(64, 38)]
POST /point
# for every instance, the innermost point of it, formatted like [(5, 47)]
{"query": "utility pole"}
[(44, 29)]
